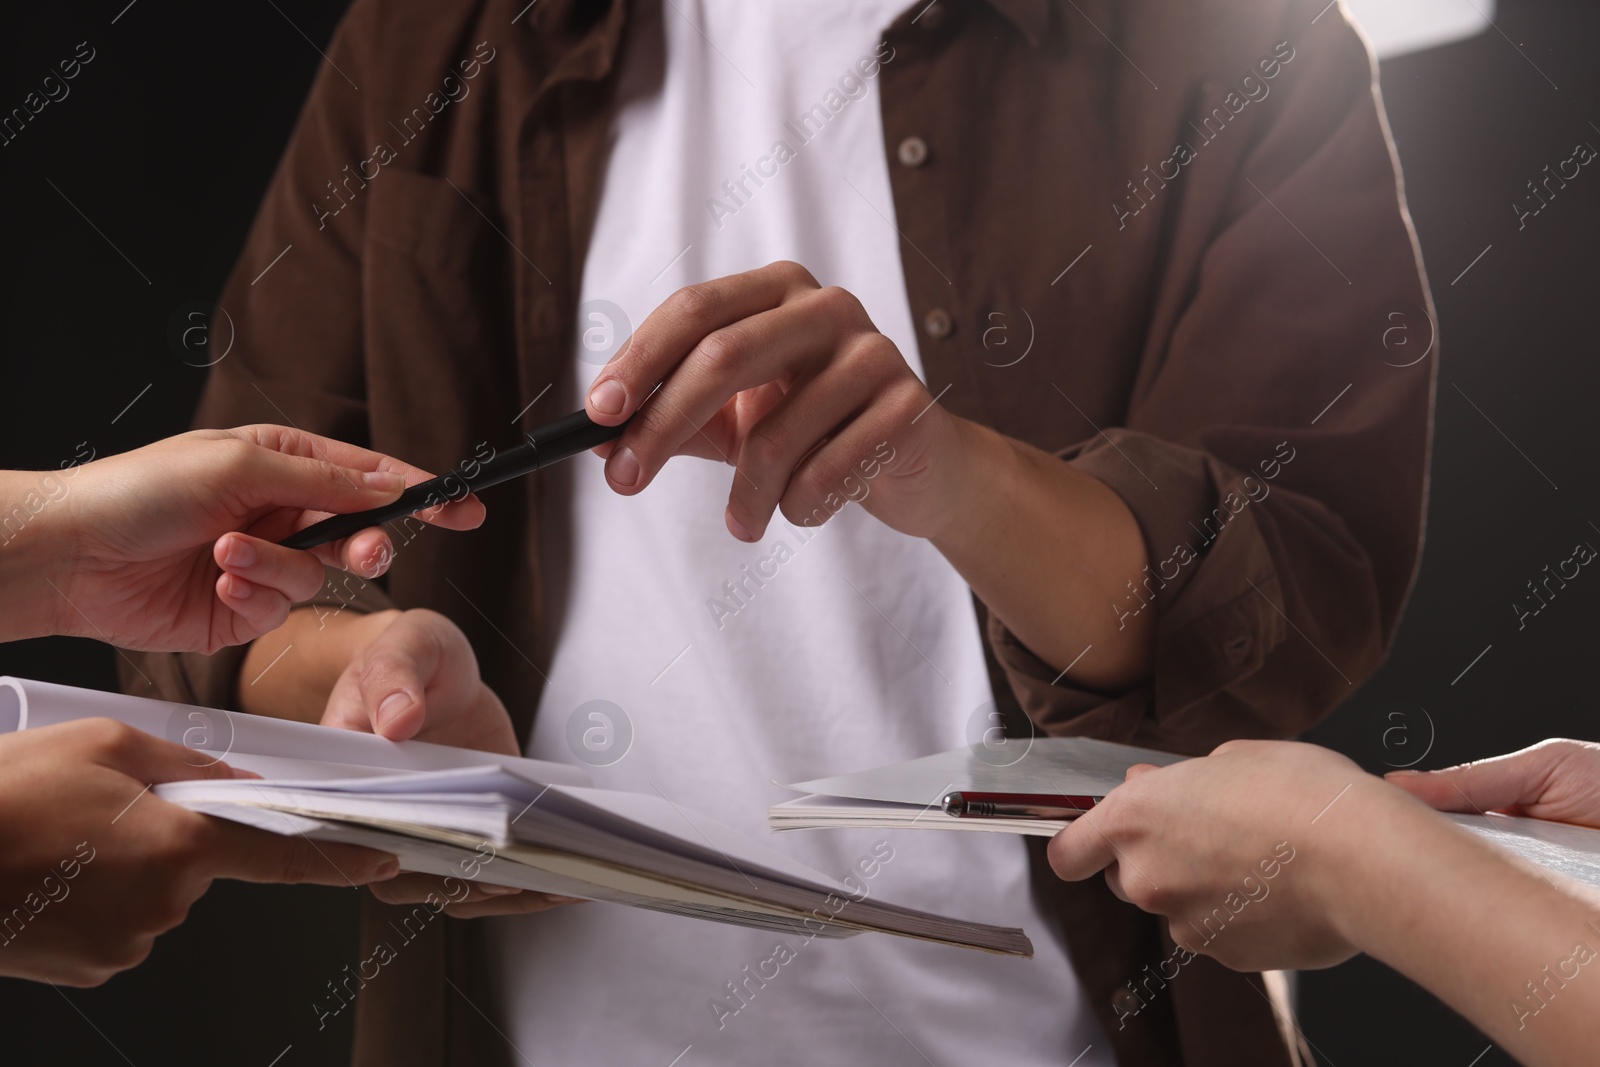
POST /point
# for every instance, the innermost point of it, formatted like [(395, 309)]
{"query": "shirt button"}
[(937, 324), (1126, 1002), (913, 152)]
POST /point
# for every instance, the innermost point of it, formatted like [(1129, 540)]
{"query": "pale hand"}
[(1235, 849), (100, 867), (144, 553), (1558, 779)]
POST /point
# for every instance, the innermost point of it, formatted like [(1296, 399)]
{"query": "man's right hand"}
[(92, 870), (1557, 780)]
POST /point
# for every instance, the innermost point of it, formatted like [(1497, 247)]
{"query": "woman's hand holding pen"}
[(143, 549), (793, 385)]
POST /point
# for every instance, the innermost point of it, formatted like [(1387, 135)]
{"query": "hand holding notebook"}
[(477, 816), (1072, 774)]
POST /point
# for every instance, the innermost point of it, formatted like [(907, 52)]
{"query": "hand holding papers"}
[(1073, 774)]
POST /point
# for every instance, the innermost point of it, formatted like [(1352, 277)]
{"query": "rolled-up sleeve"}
[(1274, 451)]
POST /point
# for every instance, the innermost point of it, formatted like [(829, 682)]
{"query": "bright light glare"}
[(1399, 26)]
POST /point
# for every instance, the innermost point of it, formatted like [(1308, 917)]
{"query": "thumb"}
[(1080, 850), (1137, 769), (1504, 782), (385, 691), (151, 760), (250, 855)]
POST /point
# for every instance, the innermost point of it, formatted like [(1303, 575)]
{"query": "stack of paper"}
[(501, 819)]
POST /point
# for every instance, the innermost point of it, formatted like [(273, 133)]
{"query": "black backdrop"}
[(127, 200)]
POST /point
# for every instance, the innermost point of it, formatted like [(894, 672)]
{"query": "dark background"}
[(170, 135)]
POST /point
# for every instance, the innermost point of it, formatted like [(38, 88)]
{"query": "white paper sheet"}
[(1075, 766), (254, 742), (1573, 851)]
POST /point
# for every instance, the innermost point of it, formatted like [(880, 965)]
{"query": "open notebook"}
[(909, 795), (502, 819)]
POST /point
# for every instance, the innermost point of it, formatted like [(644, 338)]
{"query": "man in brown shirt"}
[(1198, 209)]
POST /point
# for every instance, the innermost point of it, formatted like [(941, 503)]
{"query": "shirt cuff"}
[(1212, 580)]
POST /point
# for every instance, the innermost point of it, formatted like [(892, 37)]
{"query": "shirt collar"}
[(593, 28)]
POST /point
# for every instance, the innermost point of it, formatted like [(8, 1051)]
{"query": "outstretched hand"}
[(173, 546)]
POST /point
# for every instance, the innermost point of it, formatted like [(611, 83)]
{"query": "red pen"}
[(970, 805)]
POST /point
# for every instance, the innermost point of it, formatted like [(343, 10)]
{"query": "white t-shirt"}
[(727, 667)]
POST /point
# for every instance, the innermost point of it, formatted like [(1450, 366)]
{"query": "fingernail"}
[(1402, 774), (623, 467), (386, 481), (378, 562), (736, 527), (392, 706), (238, 588), (490, 890), (608, 397), (386, 870), (240, 553), (239, 772)]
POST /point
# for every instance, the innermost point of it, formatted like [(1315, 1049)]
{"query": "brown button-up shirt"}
[(1163, 240)]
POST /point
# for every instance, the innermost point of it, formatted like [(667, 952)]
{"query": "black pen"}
[(541, 447)]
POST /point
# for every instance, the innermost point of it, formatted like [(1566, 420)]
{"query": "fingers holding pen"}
[(303, 478), (793, 385), (261, 581), (703, 346), (672, 330), (291, 469), (297, 575)]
